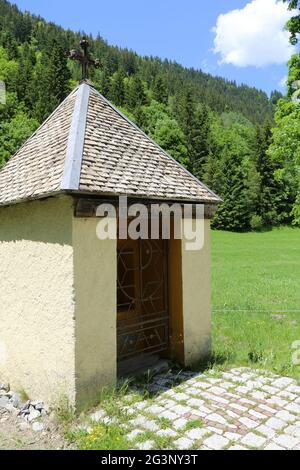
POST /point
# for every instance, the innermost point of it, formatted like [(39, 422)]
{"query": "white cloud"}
[(254, 35), (283, 82)]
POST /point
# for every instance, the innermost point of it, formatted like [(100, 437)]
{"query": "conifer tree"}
[(129, 63), (196, 126), (104, 83), (185, 108), (25, 74), (268, 187), (159, 90), (199, 141), (233, 213), (135, 95), (117, 89), (8, 41), (23, 27), (57, 75), (51, 82)]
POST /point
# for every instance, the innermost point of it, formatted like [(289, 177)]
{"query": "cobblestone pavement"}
[(235, 410)]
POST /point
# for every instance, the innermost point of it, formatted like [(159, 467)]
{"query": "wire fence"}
[(243, 310)]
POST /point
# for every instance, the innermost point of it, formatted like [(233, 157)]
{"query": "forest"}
[(241, 143)]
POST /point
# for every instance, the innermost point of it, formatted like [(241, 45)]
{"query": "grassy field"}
[(256, 298)]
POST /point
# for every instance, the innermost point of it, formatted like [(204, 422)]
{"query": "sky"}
[(240, 40)]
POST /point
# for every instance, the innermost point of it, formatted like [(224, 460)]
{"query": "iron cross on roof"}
[(84, 59)]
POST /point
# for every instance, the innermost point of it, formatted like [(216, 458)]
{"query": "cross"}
[(84, 59)]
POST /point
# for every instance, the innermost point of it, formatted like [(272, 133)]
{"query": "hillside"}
[(219, 94), (218, 130)]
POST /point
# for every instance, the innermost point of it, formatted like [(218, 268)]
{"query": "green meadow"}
[(256, 299)]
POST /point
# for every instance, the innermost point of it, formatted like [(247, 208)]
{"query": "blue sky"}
[(246, 45)]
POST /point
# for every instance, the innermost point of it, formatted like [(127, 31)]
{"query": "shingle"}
[(37, 168), (117, 159)]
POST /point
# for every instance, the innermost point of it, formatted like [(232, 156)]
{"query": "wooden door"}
[(142, 316)]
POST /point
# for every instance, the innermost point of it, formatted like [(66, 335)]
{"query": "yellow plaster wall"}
[(196, 298), (36, 298), (95, 269)]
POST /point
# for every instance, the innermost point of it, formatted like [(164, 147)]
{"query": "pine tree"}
[(233, 214), (8, 41), (26, 65), (185, 108), (57, 75), (135, 95), (275, 97), (129, 62), (159, 90), (195, 122), (51, 83), (104, 83), (268, 188), (199, 141), (117, 89), (23, 27)]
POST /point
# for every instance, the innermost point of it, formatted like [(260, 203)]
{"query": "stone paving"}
[(234, 410)]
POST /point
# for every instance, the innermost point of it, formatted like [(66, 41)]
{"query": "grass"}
[(256, 271), (24, 395), (64, 412), (104, 437), (195, 424), (256, 299)]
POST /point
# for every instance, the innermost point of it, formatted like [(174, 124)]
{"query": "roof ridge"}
[(155, 143), (74, 154)]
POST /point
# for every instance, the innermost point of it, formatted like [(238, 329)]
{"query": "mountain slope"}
[(219, 94)]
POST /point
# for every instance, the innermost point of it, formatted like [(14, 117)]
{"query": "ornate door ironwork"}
[(142, 320)]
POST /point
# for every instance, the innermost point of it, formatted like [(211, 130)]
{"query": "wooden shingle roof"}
[(88, 147)]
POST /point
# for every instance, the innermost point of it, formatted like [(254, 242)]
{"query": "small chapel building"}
[(77, 311)]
